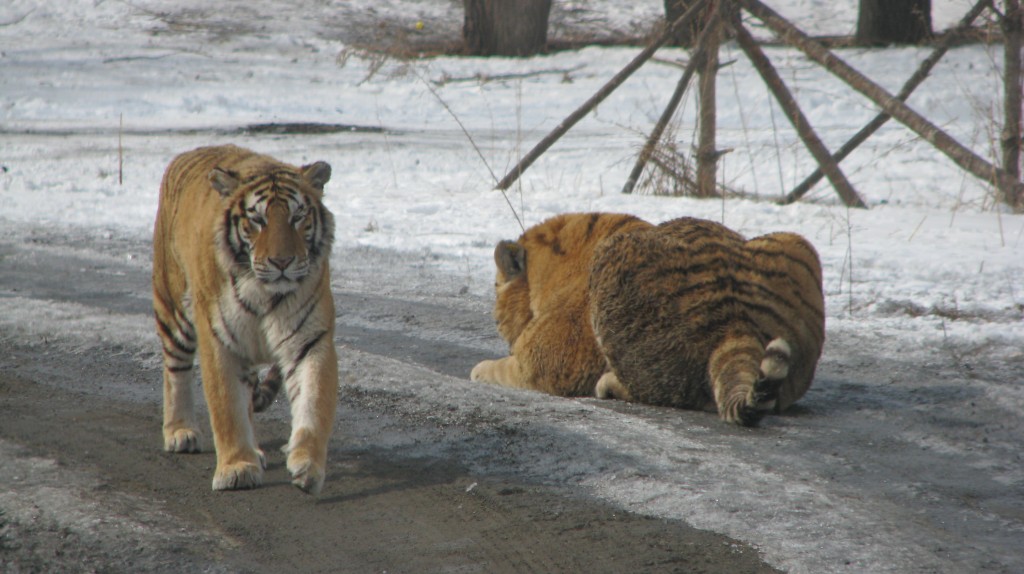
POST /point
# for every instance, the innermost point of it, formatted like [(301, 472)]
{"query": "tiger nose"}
[(281, 263)]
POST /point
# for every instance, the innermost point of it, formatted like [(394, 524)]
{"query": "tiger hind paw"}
[(265, 391), (181, 440)]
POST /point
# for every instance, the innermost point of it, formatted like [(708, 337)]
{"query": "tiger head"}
[(512, 291), (547, 269), (276, 225)]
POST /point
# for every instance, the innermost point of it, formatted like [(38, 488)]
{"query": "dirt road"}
[(889, 464), (85, 487)]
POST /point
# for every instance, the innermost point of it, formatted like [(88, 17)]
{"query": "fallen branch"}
[(484, 78)]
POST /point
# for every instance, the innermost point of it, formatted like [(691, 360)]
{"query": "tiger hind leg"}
[(181, 433), (180, 428), (744, 389)]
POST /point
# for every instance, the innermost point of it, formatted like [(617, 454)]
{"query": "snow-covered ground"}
[(933, 264), (933, 241)]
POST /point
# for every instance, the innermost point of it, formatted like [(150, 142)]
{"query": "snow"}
[(934, 263)]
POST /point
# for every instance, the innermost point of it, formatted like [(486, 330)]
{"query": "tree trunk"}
[(882, 22), (684, 36), (505, 27)]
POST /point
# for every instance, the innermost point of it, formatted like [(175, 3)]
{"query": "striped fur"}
[(690, 314), (542, 301), (240, 275)]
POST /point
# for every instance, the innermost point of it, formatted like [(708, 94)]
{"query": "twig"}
[(484, 78), (746, 134), (17, 19), (476, 148), (916, 229), (120, 149), (849, 256)]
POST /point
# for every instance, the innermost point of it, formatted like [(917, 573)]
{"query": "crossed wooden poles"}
[(704, 56)]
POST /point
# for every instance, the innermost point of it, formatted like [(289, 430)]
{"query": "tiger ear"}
[(224, 181), (510, 257), (317, 174)]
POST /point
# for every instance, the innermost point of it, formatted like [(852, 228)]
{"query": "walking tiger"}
[(240, 274)]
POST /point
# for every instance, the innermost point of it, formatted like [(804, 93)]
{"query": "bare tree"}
[(882, 22), (505, 27)]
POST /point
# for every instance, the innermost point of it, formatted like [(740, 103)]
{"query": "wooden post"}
[(598, 97), (797, 118), (908, 88), (931, 133), (1010, 138), (707, 149)]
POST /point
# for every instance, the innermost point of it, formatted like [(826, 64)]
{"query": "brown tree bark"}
[(707, 149), (796, 117), (908, 88), (505, 27), (1010, 138), (882, 22), (684, 36)]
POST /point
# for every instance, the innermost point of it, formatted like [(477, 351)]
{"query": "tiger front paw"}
[(238, 475), (182, 440), (481, 371)]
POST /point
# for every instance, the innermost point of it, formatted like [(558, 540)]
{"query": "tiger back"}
[(241, 247), (541, 305), (689, 314)]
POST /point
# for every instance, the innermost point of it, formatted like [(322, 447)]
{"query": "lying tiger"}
[(240, 273), (686, 314)]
